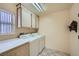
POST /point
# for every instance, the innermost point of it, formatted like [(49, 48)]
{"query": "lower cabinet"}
[(18, 51), (33, 48), (37, 46), (9, 53), (22, 50), (42, 44)]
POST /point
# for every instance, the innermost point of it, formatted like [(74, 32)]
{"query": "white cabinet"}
[(23, 16), (34, 48), (31, 48), (22, 50), (42, 44), (33, 20), (26, 17), (9, 53), (37, 21), (19, 17)]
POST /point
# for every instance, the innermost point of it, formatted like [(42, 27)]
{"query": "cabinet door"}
[(37, 22), (34, 48), (33, 20), (26, 17), (9, 53), (19, 24), (42, 43), (22, 50)]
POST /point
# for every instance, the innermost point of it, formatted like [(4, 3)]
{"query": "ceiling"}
[(31, 7), (49, 7)]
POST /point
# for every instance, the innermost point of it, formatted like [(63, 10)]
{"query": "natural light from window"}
[(7, 25)]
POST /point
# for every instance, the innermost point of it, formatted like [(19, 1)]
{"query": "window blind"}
[(6, 22)]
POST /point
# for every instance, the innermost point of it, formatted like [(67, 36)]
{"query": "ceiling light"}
[(38, 6)]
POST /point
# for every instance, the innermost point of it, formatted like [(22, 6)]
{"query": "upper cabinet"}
[(26, 18), (33, 20), (37, 21), (19, 9)]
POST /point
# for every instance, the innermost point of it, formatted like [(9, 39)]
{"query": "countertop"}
[(12, 43)]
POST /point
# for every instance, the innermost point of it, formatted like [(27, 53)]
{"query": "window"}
[(6, 22)]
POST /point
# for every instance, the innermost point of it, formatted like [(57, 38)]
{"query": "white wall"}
[(74, 41), (8, 7), (54, 27)]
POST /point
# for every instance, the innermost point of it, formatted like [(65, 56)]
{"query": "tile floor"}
[(50, 52)]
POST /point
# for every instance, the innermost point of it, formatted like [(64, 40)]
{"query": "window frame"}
[(13, 22)]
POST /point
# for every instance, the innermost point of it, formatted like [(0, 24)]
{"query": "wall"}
[(74, 41), (54, 27), (12, 8)]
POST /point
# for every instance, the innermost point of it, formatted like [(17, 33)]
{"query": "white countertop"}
[(12, 43)]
